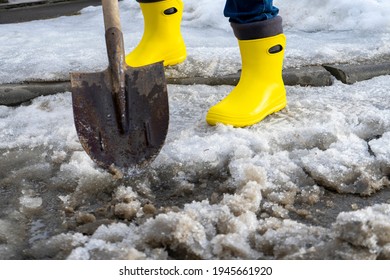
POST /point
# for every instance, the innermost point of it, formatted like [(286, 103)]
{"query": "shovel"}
[(121, 114)]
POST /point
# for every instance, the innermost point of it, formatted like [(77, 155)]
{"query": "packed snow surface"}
[(318, 31), (309, 182)]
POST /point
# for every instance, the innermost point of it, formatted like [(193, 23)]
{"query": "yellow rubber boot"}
[(260, 91), (162, 39)]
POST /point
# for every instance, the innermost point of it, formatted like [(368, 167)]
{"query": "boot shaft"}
[(162, 17), (262, 45), (263, 58), (162, 39)]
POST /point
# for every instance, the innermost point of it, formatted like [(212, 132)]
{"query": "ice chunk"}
[(247, 198), (344, 167), (381, 148), (369, 227), (287, 239), (30, 202), (177, 231)]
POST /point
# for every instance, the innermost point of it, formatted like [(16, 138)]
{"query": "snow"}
[(331, 15), (213, 192), (369, 228), (315, 36)]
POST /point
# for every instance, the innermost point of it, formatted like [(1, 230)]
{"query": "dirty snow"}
[(310, 182)]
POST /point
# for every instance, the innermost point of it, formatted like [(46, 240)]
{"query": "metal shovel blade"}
[(124, 138)]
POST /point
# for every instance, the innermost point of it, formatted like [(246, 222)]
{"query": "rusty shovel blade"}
[(121, 114), (99, 122)]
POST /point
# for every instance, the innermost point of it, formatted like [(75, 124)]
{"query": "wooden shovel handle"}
[(114, 42), (116, 59), (111, 14), (114, 38)]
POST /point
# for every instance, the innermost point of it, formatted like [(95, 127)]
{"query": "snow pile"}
[(330, 15), (28, 129), (213, 192), (201, 230), (268, 173), (192, 234)]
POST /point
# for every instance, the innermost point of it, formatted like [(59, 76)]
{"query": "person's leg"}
[(245, 11), (162, 39), (260, 91)]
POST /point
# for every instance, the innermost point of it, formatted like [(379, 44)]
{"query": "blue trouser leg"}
[(246, 11)]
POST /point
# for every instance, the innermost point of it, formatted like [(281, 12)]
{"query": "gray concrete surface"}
[(13, 13), (15, 94), (350, 74)]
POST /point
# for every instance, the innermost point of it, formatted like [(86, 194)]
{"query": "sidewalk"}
[(317, 76), (22, 12)]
